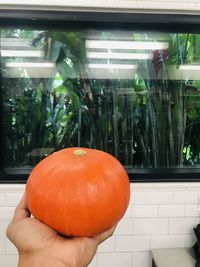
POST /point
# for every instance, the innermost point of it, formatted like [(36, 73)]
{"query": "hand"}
[(40, 246)]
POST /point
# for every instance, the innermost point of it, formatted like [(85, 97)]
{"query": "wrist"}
[(28, 260)]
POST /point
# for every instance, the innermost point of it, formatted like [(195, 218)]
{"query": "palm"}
[(30, 235)]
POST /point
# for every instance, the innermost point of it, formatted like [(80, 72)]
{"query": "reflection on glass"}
[(134, 95)]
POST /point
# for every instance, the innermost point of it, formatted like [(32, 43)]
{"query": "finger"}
[(21, 210), (103, 236)]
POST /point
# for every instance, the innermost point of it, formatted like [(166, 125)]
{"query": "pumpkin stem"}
[(79, 152)]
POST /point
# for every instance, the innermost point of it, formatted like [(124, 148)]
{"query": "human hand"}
[(40, 246)]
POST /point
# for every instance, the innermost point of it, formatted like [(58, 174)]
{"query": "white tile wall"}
[(6, 213), (189, 197), (108, 245), (124, 227), (2, 199), (8, 260), (12, 199), (114, 259), (182, 225), (159, 197), (2, 246), (93, 262), (190, 239), (171, 210), (192, 210), (3, 226), (159, 216), (167, 241), (153, 226), (10, 248), (142, 259), (131, 243), (140, 211), (138, 198)]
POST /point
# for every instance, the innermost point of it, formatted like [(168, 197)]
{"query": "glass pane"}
[(133, 94)]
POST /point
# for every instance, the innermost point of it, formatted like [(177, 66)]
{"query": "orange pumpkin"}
[(78, 191)]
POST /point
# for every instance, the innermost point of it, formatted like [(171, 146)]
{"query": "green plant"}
[(151, 120)]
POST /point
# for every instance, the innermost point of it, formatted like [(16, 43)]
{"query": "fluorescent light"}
[(15, 42), (112, 66), (21, 53), (126, 45), (189, 67), (111, 55), (30, 65)]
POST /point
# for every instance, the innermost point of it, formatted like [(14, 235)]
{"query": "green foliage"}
[(143, 122)]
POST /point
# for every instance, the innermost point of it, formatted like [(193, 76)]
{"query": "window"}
[(130, 88)]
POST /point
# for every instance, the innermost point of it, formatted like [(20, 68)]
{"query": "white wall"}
[(160, 6), (159, 216)]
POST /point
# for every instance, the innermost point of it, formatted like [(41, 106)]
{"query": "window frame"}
[(40, 19)]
